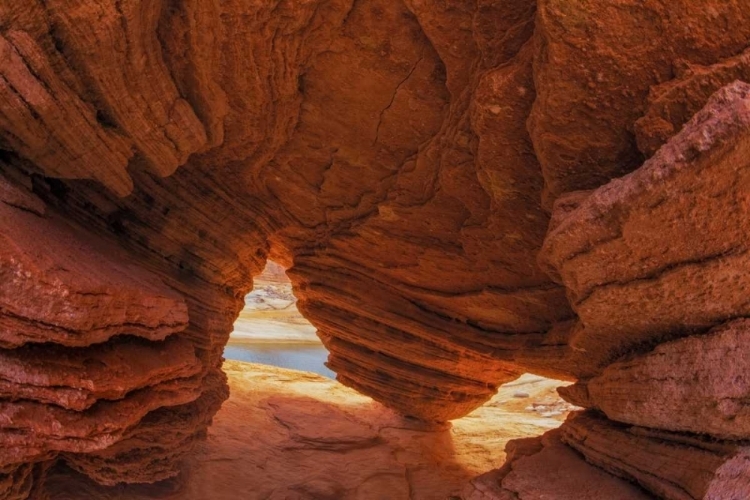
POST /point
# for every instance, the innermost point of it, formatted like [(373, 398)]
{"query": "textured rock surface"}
[(315, 439), (152, 450), (632, 246), (75, 290), (90, 346), (698, 384), (68, 142), (544, 467), (673, 466), (597, 61), (673, 103), (75, 379), (401, 158)]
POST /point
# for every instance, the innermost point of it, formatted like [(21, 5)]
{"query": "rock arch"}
[(437, 178)]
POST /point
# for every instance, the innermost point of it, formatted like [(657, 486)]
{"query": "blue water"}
[(308, 358)]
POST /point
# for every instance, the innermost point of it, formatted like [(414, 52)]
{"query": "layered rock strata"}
[(92, 346), (667, 394), (697, 384), (687, 467), (633, 246), (407, 161)]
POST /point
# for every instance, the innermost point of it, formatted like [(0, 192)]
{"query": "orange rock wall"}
[(418, 167)]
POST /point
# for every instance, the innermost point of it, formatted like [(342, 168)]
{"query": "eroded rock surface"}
[(91, 345), (698, 384), (458, 191), (634, 244), (544, 467), (61, 286), (315, 439), (687, 467)]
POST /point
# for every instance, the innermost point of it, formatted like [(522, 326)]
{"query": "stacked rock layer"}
[(665, 391), (461, 192)]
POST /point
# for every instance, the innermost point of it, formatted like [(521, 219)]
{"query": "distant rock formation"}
[(270, 314), (461, 192)]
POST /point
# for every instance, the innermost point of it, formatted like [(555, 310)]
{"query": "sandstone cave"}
[(461, 192)]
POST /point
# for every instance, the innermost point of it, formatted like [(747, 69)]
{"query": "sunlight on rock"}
[(460, 194)]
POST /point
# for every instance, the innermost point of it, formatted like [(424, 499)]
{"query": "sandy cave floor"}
[(290, 435)]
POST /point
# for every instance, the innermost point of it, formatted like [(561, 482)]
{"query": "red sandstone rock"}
[(46, 121), (545, 468), (398, 157), (17, 482), (153, 450), (312, 438), (75, 379), (698, 384), (29, 430), (75, 290), (670, 465), (673, 466), (112, 47), (674, 102), (632, 245), (595, 64)]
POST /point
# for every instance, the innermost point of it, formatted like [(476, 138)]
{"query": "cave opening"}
[(270, 330), (393, 453)]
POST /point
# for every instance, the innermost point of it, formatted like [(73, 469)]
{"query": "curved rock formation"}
[(441, 179)]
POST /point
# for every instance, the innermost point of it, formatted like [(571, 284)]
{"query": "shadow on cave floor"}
[(286, 435)]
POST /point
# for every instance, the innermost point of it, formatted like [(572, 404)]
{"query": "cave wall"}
[(436, 177)]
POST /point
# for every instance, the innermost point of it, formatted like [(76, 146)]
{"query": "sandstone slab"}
[(673, 466), (697, 384), (631, 245)]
